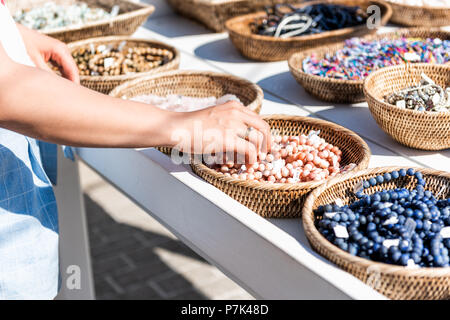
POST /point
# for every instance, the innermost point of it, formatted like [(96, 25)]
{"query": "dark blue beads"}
[(288, 21), (398, 226)]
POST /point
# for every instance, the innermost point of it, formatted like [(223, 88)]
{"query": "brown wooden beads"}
[(106, 60)]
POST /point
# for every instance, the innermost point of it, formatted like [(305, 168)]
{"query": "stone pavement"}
[(134, 257)]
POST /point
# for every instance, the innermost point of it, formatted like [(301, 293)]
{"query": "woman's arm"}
[(45, 106)]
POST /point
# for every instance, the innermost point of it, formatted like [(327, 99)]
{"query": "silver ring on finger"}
[(248, 132)]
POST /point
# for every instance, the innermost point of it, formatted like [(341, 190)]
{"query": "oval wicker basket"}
[(199, 84), (416, 129), (266, 48), (131, 16), (417, 16), (105, 84), (286, 200), (345, 91), (395, 282), (214, 13)]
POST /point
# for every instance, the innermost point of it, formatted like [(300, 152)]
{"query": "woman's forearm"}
[(42, 105)]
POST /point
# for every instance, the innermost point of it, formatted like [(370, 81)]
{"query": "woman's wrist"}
[(170, 130)]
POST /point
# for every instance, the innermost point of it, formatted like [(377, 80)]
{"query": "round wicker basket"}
[(105, 84), (346, 91), (266, 48), (131, 16), (395, 282), (214, 13), (416, 129), (286, 200), (417, 16), (199, 84)]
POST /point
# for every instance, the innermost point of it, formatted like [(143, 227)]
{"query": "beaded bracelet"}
[(426, 96), (400, 226), (285, 20), (106, 60)]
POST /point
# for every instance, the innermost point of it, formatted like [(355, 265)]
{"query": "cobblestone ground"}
[(134, 257)]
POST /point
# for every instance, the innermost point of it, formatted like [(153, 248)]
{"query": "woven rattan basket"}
[(131, 16), (345, 91), (416, 129), (214, 13), (395, 282), (417, 16), (286, 200), (266, 48), (105, 84), (200, 84)]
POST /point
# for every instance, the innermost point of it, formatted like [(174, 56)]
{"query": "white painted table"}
[(270, 258)]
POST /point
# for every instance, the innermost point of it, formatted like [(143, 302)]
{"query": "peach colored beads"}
[(292, 159)]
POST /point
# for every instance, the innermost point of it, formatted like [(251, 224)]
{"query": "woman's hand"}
[(43, 49), (222, 129)]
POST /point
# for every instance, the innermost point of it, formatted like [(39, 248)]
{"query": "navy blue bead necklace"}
[(399, 226)]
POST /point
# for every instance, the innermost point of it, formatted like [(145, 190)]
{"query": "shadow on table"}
[(284, 85), (359, 119), (125, 263), (183, 27), (221, 50)]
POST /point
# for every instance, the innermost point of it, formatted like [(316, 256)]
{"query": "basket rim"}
[(259, 92), (145, 9), (412, 7), (302, 55), (230, 24), (291, 186), (123, 77), (369, 95), (314, 235), (216, 2)]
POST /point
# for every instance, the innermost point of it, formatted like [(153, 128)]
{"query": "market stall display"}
[(71, 20), (426, 130), (420, 13), (285, 200), (336, 72), (107, 62), (390, 227), (214, 13), (267, 35), (417, 241)]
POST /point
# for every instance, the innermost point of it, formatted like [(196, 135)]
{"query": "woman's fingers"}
[(62, 56), (41, 64), (252, 119), (254, 136), (259, 124)]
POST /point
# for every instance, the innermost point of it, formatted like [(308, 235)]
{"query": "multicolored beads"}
[(292, 159), (399, 226), (360, 57), (51, 15)]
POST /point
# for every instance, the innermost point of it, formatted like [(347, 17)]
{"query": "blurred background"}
[(134, 257)]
